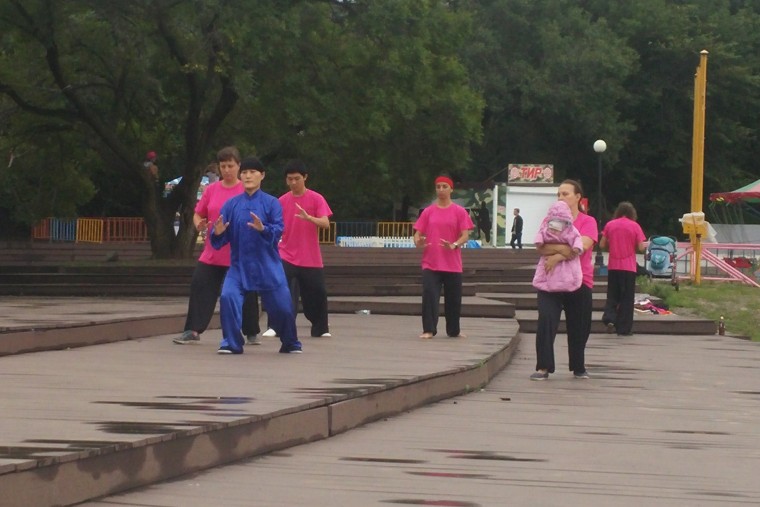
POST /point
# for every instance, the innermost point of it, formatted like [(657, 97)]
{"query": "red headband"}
[(444, 179)]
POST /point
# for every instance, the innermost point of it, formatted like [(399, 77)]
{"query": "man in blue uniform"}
[(252, 224)]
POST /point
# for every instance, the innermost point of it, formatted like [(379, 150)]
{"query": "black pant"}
[(432, 281), (577, 306), (486, 228), (621, 290), (205, 288), (309, 284), (516, 238)]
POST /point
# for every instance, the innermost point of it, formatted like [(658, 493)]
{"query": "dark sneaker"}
[(187, 337), (540, 375), (228, 350), (610, 328), (581, 375), (253, 339), (291, 349)]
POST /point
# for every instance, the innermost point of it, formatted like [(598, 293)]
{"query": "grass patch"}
[(738, 304)]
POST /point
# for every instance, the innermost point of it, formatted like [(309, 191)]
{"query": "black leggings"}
[(308, 284), (621, 291), (432, 281), (577, 306), (205, 288)]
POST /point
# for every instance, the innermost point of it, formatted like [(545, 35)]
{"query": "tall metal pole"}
[(599, 147), (599, 257)]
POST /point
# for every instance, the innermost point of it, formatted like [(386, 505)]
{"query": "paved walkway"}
[(81, 422), (666, 420)]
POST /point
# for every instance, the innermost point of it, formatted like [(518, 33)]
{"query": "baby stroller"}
[(660, 259)]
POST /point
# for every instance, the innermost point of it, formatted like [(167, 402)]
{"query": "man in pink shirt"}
[(624, 237), (304, 212)]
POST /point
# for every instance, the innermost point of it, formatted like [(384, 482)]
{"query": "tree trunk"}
[(161, 212)]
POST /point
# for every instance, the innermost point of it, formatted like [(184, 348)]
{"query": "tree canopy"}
[(377, 97)]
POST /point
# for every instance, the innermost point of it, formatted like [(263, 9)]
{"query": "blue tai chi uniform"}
[(255, 265)]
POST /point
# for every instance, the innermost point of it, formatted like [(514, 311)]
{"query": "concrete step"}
[(525, 301), (407, 305), (643, 323), (522, 287), (360, 288), (45, 252), (95, 290)]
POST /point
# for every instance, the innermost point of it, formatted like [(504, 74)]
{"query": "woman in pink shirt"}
[(576, 304), (441, 229), (624, 237), (213, 264)]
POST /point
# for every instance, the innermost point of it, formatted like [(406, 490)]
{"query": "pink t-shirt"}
[(442, 223), (623, 237), (208, 207), (300, 238), (586, 225)]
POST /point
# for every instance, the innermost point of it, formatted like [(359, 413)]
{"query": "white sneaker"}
[(326, 335), (269, 333)]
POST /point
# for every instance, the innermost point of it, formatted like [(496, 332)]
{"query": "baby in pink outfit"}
[(557, 227)]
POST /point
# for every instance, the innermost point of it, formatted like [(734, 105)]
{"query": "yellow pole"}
[(698, 157)]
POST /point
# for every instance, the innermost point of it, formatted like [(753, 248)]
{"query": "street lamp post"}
[(599, 147)]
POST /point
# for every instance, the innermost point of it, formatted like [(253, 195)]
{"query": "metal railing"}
[(127, 229), (722, 262), (134, 230), (395, 229), (89, 230), (328, 236)]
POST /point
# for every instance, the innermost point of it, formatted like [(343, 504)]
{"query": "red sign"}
[(530, 173)]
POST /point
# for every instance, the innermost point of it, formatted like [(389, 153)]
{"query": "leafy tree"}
[(352, 87), (553, 81), (371, 94), (127, 77), (558, 74), (667, 37)]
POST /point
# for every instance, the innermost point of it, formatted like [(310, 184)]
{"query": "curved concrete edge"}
[(58, 337), (68, 480)]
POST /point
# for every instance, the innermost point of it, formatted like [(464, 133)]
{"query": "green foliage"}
[(553, 80), (377, 97)]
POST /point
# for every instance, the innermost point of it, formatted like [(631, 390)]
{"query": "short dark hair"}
[(228, 153), (296, 166), (251, 163), (626, 209)]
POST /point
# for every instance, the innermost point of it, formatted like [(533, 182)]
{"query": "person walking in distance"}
[(442, 228), (624, 237), (251, 224), (304, 212), (517, 228), (213, 264), (484, 222)]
